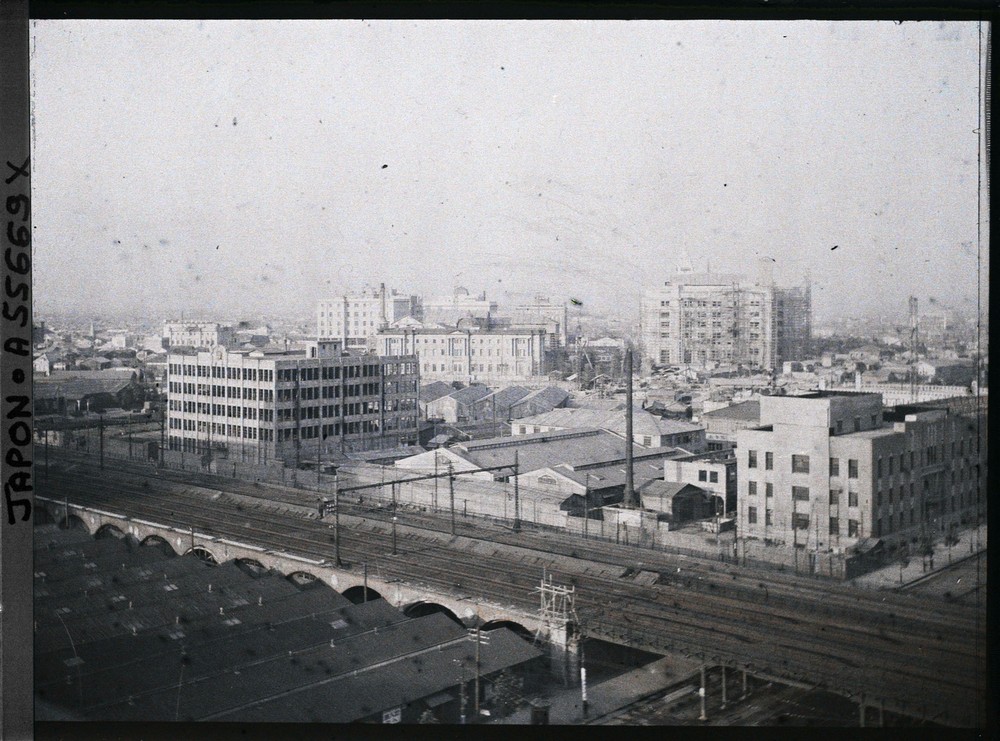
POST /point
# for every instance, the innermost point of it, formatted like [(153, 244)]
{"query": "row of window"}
[(801, 521), (800, 464)]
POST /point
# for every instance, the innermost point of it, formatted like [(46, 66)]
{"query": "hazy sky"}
[(253, 167)]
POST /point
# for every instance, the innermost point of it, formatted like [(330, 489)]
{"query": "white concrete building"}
[(706, 319), (354, 319)]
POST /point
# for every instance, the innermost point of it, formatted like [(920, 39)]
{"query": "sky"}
[(250, 168)]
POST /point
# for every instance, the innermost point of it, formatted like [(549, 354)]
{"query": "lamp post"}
[(394, 518)]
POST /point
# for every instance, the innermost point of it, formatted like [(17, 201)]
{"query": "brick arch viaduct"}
[(184, 540)]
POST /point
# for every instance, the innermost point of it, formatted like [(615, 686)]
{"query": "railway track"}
[(865, 641)]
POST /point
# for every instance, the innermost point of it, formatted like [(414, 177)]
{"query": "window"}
[(751, 459), (891, 461), (713, 477), (834, 496), (840, 426), (703, 475), (878, 468), (857, 424), (852, 468), (852, 528), (752, 515), (768, 517), (874, 420), (752, 488), (834, 526), (800, 522), (768, 461), (769, 489), (835, 466), (800, 493), (800, 464), (852, 499)]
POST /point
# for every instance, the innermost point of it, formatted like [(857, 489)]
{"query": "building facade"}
[(355, 318), (543, 312), (460, 305), (830, 470), (471, 355), (258, 406), (705, 319), (197, 334)]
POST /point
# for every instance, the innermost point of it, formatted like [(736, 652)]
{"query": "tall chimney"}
[(630, 498)]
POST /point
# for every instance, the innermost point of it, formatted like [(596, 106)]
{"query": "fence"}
[(494, 501)]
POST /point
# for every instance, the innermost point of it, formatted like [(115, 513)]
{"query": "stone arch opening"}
[(203, 554), (510, 624), (156, 541), (77, 522), (357, 594), (251, 566), (42, 516), (304, 580), (421, 609), (104, 531)]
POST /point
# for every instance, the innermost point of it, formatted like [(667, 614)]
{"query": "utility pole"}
[(100, 428), (701, 693), (630, 498), (336, 528), (163, 419), (394, 518), (517, 502), (366, 581), (586, 507), (451, 495), (435, 479)]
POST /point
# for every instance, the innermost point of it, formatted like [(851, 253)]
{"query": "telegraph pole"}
[(630, 498), (435, 479), (100, 427), (451, 495), (517, 500), (336, 528), (163, 419)]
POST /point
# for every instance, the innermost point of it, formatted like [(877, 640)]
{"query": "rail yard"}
[(910, 653)]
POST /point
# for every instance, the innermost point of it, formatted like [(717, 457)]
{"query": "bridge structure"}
[(882, 649), (354, 581)]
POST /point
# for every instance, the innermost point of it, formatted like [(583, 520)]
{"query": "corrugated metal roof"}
[(643, 423)]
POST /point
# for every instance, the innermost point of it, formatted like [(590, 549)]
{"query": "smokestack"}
[(630, 498)]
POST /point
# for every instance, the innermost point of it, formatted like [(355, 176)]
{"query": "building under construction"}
[(707, 319)]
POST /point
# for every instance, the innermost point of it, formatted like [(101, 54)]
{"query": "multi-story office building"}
[(460, 305), (704, 319), (471, 354), (827, 470), (197, 334), (259, 405), (542, 312), (354, 319)]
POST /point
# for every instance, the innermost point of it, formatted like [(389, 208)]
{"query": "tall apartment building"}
[(353, 319), (827, 470), (460, 305), (704, 319), (472, 354), (259, 405), (197, 334)]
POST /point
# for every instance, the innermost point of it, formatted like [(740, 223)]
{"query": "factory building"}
[(259, 405), (830, 471)]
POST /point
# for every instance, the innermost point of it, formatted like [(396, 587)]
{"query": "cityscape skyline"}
[(567, 159)]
